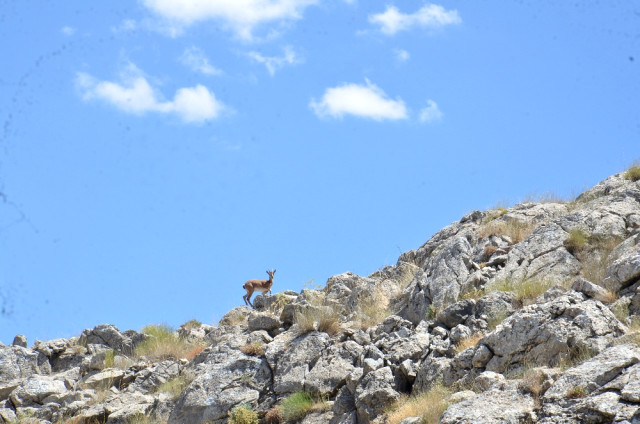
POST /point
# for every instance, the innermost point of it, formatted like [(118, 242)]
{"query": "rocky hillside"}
[(529, 314)]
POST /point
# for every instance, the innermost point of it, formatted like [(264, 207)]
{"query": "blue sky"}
[(155, 154)]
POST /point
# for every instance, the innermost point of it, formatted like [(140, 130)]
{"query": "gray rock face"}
[(497, 405), (544, 333), (19, 362), (37, 389), (625, 270), (602, 389), (109, 335), (330, 372), (375, 392), (296, 362), (225, 379)]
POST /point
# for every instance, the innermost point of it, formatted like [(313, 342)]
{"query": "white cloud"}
[(67, 30), (127, 25), (366, 101), (195, 59), (274, 63), (429, 16), (135, 95), (431, 113), (402, 55), (240, 16)]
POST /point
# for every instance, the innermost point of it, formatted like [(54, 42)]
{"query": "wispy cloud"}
[(431, 113), (402, 55), (366, 101), (67, 30), (275, 63), (429, 16), (239, 16), (194, 58), (133, 94)]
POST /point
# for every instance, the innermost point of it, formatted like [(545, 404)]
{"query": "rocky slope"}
[(520, 315)]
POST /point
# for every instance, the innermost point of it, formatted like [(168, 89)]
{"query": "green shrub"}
[(633, 173), (191, 324), (431, 313), (175, 386), (576, 241), (525, 290), (243, 414), (577, 392), (162, 343), (110, 359), (296, 406)]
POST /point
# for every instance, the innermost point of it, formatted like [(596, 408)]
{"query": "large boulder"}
[(602, 389), (20, 362), (544, 333), (504, 404)]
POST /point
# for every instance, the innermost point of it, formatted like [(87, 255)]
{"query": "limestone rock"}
[(507, 406), (545, 333), (19, 362), (375, 392)]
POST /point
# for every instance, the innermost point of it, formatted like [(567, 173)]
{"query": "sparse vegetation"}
[(532, 381), (577, 392), (595, 258), (243, 414), (191, 324), (163, 343), (633, 173), (494, 318), (318, 316), (279, 303), (428, 405), (526, 290), (296, 406), (110, 358), (489, 250), (576, 241), (431, 313), (575, 356), (517, 231), (372, 310), (175, 386), (472, 293), (621, 311), (253, 349), (468, 342), (497, 213)]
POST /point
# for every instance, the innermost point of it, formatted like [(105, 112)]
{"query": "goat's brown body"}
[(262, 286)]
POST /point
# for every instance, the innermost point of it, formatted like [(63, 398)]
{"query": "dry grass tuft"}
[(495, 318), (526, 290), (576, 241), (633, 173), (517, 231), (489, 250), (577, 392), (468, 342), (163, 343), (273, 415), (428, 405), (243, 414), (318, 318), (532, 382), (253, 349), (175, 386)]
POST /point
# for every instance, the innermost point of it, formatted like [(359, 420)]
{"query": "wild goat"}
[(263, 286)]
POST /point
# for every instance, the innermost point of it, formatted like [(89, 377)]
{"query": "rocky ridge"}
[(526, 314)]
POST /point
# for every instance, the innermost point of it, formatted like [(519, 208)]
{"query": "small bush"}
[(428, 405), (431, 313), (175, 386), (577, 392), (163, 343), (489, 250), (243, 414), (191, 324), (576, 241), (253, 349), (296, 406), (110, 359), (621, 311), (575, 356), (633, 173), (273, 416)]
